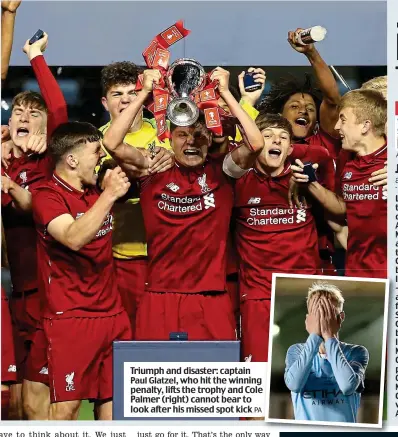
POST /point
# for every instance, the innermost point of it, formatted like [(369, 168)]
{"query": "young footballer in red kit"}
[(8, 362), (361, 124), (187, 212), (74, 224), (272, 236), (118, 82), (33, 118)]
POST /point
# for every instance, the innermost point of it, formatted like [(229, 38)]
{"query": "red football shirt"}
[(319, 154), (187, 215), (366, 213), (323, 139), (28, 172), (77, 283), (271, 236)]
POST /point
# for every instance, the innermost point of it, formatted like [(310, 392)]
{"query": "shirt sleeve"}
[(299, 360), (348, 368), (52, 94), (47, 205)]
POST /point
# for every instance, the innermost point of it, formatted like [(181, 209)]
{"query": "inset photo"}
[(327, 350)]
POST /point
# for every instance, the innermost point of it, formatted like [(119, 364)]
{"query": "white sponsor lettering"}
[(270, 212), (270, 221), (186, 204), (276, 216), (165, 206), (107, 226), (360, 192)]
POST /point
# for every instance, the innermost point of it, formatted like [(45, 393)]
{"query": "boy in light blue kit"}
[(326, 376)]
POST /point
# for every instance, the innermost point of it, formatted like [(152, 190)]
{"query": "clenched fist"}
[(10, 6), (222, 76), (151, 77), (37, 143), (291, 38), (116, 183)]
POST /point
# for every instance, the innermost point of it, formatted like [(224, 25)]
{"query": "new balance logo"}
[(209, 201), (301, 215), (254, 200), (12, 368), (44, 371), (348, 175), (173, 187)]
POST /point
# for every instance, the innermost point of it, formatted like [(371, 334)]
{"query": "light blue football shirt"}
[(326, 389)]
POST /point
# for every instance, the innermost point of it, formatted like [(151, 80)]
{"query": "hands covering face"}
[(322, 318)]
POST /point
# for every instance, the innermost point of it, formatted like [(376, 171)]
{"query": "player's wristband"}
[(231, 169)]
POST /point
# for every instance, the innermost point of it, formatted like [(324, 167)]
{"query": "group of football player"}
[(112, 234)]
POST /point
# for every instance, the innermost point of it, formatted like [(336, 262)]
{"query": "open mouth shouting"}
[(274, 153), (191, 152), (22, 132), (302, 121)]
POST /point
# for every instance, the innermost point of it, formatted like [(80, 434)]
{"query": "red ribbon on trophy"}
[(157, 56), (217, 120)]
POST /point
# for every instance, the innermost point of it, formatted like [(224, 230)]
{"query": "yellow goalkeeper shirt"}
[(129, 237)]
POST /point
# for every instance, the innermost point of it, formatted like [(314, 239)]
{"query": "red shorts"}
[(36, 366), (80, 355), (8, 362), (255, 329), (25, 314), (131, 278), (207, 316)]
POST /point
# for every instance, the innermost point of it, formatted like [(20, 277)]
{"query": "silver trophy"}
[(184, 78)]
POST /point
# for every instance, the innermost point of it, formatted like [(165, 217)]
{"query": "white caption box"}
[(194, 389)]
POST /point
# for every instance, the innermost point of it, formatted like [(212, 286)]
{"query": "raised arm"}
[(250, 98), (20, 197), (8, 13), (327, 83), (241, 158), (349, 370), (300, 357), (299, 360), (76, 233), (130, 157), (49, 88)]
